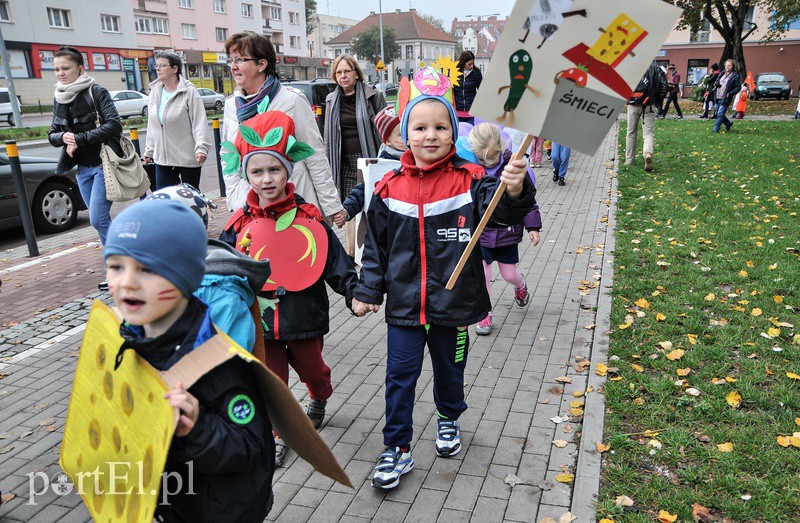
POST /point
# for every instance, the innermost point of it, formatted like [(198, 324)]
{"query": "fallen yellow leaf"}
[(650, 434), (734, 399), (578, 393), (675, 355), (601, 370), (623, 501), (725, 447), (730, 380), (602, 448), (683, 372), (666, 517), (576, 404), (606, 520), (773, 332), (692, 338), (793, 375), (565, 478), (778, 299), (660, 317), (797, 421), (642, 303), (666, 345), (795, 439), (576, 411), (564, 379), (637, 368), (773, 266), (756, 312), (560, 443), (710, 297), (750, 263), (743, 273), (638, 401), (625, 326), (784, 441)]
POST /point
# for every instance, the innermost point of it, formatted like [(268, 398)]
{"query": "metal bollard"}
[(135, 140), (217, 141), (22, 197)]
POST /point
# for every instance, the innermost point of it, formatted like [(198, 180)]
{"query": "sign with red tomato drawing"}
[(564, 69)]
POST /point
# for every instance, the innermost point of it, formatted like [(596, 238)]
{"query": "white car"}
[(5, 106), (212, 99), (129, 103)]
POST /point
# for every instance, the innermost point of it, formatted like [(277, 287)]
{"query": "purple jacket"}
[(492, 237)]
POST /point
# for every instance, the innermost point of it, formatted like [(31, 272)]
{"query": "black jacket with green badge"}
[(222, 469)]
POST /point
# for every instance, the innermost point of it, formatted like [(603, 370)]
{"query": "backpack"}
[(648, 90)]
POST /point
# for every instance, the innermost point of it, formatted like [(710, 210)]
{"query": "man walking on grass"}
[(674, 90), (649, 92)]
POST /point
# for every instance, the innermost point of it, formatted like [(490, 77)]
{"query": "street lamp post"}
[(380, 24)]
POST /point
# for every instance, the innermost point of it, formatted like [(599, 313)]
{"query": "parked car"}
[(55, 200), (387, 90), (5, 106), (212, 99), (315, 91), (129, 103), (772, 85)]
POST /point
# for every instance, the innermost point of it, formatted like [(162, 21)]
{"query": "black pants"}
[(167, 176), (671, 98)]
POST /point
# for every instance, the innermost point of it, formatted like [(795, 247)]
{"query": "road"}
[(14, 239)]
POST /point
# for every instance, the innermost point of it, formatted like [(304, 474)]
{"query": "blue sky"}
[(445, 10)]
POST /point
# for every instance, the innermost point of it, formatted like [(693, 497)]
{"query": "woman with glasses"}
[(178, 138), (350, 131), (252, 60)]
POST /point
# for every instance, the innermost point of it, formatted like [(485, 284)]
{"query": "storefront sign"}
[(210, 58), (114, 63), (99, 61), (46, 59), (135, 53), (17, 63), (291, 60)]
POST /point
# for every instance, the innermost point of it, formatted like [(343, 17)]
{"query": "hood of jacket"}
[(223, 260)]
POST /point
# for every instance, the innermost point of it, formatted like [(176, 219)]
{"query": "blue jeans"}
[(721, 118), (93, 191), (406, 349), (560, 159)]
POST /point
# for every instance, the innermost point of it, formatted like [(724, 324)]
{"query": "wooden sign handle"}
[(501, 188)]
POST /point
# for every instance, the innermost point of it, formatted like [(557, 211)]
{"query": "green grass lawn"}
[(707, 261)]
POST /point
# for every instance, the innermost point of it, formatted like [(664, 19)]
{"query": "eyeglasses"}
[(162, 66), (240, 61), (343, 72)]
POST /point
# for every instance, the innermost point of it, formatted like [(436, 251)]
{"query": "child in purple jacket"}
[(488, 147)]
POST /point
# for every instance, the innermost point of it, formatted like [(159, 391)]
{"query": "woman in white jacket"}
[(178, 137), (252, 60)]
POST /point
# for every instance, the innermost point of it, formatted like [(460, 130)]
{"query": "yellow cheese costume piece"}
[(617, 41), (120, 417)]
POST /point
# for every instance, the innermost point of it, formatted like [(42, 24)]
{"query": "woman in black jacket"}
[(78, 99), (468, 84)]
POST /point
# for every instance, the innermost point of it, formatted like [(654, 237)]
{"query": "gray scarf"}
[(366, 130), (66, 93)]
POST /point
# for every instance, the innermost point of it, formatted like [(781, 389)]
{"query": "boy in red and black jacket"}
[(420, 220), (304, 254)]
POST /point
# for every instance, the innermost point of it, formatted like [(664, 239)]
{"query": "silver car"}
[(129, 103), (211, 99), (54, 200)]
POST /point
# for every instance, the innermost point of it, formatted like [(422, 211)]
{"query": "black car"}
[(55, 200), (772, 85), (315, 91)]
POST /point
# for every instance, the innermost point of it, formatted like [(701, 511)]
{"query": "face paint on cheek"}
[(168, 295)]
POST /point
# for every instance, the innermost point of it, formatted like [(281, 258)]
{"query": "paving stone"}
[(464, 492), (426, 507)]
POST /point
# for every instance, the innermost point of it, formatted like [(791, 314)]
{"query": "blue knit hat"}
[(418, 99), (166, 237)]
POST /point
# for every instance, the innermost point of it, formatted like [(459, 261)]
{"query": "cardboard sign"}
[(370, 172), (596, 49), (120, 426)]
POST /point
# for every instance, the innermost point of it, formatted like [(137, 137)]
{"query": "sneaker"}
[(448, 438), (484, 326), (561, 182), (280, 452), (679, 117), (103, 286), (648, 163), (703, 116), (555, 175), (521, 295), (728, 127), (393, 463), (316, 412)]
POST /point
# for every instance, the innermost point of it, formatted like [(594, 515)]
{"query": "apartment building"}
[(479, 35), (327, 28)]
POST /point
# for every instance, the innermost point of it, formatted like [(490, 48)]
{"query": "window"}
[(247, 10), (189, 31), (294, 18), (186, 4), (5, 13), (160, 26), (695, 71), (409, 51), (337, 52), (749, 17), (143, 25), (219, 6), (274, 13), (58, 17), (109, 23), (222, 34), (294, 42), (702, 34)]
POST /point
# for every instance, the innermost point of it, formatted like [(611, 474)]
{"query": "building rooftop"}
[(407, 25)]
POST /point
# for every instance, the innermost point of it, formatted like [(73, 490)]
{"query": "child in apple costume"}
[(304, 253)]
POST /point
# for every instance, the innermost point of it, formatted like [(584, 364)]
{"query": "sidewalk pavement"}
[(519, 383)]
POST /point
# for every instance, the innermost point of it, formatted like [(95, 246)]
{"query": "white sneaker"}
[(392, 464)]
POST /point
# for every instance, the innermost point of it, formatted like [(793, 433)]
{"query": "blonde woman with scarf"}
[(350, 131), (78, 100)]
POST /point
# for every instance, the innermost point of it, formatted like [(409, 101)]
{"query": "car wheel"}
[(144, 112), (11, 120), (55, 208), (218, 106)]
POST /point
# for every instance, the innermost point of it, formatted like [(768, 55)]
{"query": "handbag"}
[(124, 175)]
